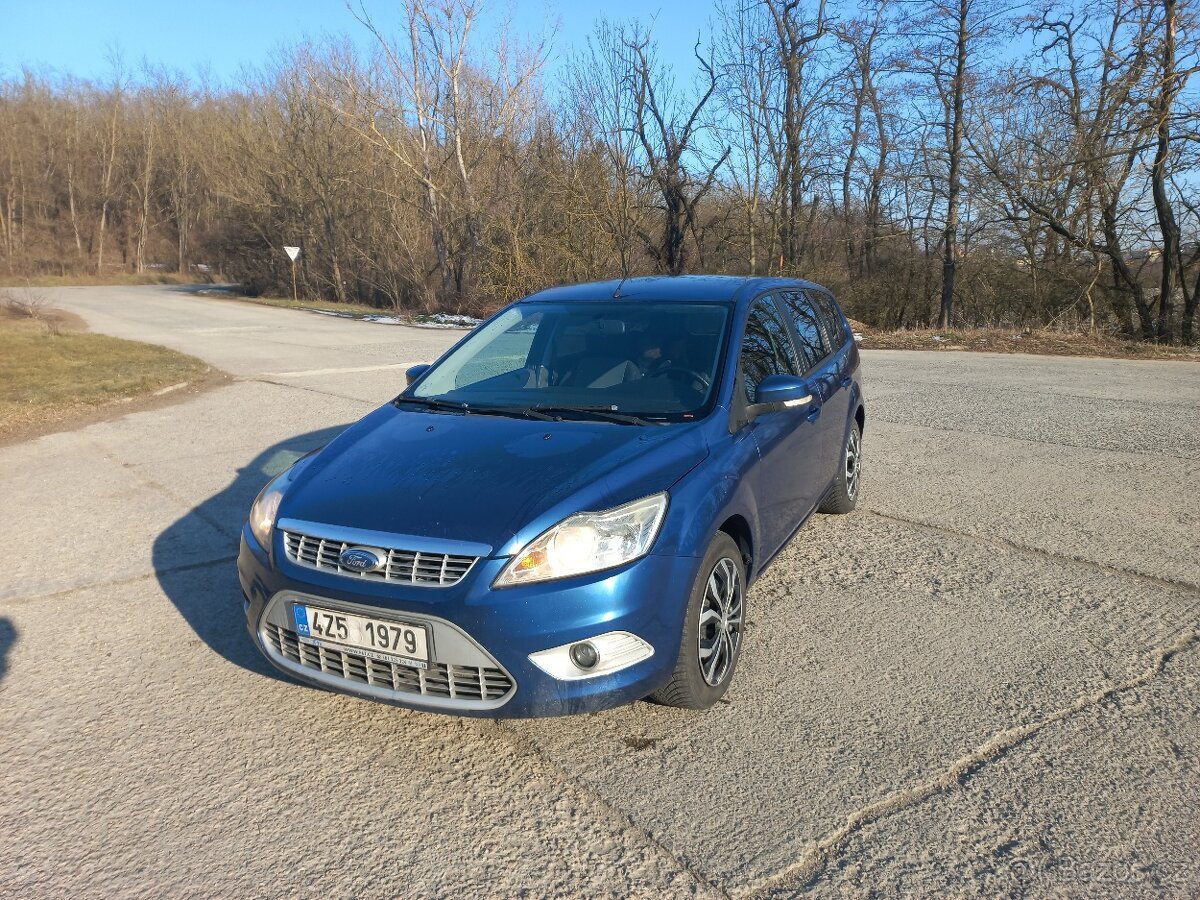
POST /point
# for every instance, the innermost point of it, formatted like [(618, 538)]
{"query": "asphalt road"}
[(988, 687)]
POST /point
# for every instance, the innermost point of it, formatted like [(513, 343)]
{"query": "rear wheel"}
[(842, 496), (711, 643)]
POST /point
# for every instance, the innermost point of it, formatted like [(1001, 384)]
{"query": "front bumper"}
[(481, 636)]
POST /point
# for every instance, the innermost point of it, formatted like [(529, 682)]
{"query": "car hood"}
[(490, 480)]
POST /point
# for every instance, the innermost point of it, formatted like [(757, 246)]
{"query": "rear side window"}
[(831, 318), (813, 346), (766, 348)]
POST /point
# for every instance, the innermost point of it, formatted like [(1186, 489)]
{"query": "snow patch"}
[(446, 320), (438, 320)]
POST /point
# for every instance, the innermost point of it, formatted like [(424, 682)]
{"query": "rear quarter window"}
[(807, 322), (831, 318)]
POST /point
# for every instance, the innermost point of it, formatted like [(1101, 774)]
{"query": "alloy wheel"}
[(853, 463), (720, 621)]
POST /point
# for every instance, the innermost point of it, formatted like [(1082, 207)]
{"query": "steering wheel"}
[(681, 373)]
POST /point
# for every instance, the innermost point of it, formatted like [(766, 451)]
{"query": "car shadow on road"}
[(204, 586), (8, 637)]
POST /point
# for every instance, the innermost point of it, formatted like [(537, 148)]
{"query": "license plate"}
[(376, 638)]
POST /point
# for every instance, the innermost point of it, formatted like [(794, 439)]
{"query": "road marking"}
[(308, 373)]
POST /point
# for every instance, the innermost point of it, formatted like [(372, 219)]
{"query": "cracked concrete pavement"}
[(988, 685)]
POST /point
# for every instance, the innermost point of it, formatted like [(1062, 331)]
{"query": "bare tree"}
[(430, 108), (1091, 135), (863, 38), (1169, 83), (887, 152), (605, 119), (945, 44), (747, 124), (796, 40), (667, 126), (106, 144)]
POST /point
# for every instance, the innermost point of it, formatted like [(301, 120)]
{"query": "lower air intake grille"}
[(446, 680)]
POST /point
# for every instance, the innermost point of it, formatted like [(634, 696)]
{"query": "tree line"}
[(935, 162)]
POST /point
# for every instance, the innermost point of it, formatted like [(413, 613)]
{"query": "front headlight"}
[(266, 505), (589, 542), (262, 513)]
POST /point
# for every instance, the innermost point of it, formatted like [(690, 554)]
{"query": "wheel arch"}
[(738, 528)]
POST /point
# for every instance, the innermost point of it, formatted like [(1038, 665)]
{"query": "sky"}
[(220, 37)]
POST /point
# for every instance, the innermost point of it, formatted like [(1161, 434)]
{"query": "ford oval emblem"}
[(362, 559)]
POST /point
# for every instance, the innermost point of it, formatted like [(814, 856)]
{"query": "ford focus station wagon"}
[(564, 512)]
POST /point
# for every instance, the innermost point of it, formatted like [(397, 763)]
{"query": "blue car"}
[(564, 512)]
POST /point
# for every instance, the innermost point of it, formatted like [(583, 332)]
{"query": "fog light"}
[(584, 655), (602, 654)]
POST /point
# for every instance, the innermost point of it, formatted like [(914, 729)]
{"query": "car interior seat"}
[(602, 363)]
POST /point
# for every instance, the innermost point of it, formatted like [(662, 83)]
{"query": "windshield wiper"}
[(467, 409), (544, 412), (528, 412), (434, 403), (605, 413)]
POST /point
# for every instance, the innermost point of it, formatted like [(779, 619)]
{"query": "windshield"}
[(656, 361)]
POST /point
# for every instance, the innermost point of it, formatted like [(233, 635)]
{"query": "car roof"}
[(721, 288)]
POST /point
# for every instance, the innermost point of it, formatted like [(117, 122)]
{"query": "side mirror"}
[(412, 373), (777, 392)]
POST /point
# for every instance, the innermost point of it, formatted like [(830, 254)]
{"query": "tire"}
[(700, 679), (843, 494)]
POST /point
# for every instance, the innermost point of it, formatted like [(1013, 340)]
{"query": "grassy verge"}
[(44, 281), (50, 374), (1002, 340), (354, 309)]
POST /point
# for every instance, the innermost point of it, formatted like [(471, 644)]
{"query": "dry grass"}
[(356, 310), (117, 278), (353, 309), (50, 372), (32, 304), (1002, 340)]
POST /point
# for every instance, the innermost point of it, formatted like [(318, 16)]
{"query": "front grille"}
[(440, 680), (403, 566)]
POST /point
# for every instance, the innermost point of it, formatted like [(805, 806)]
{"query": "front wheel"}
[(842, 496), (711, 643)]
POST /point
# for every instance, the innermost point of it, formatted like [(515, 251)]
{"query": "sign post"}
[(293, 253)]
